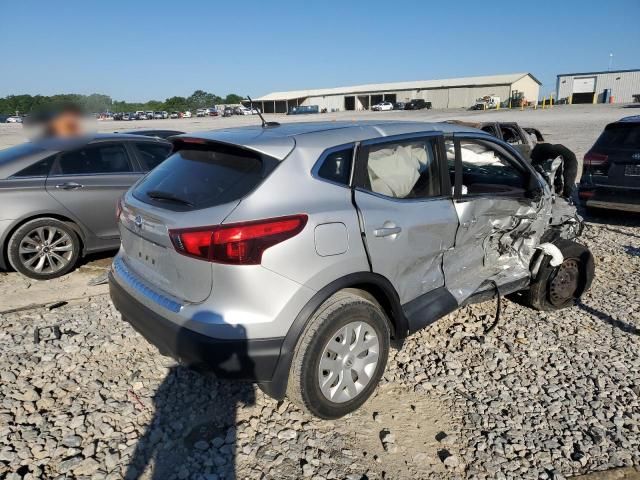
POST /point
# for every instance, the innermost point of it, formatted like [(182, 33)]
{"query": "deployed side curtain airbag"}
[(394, 171)]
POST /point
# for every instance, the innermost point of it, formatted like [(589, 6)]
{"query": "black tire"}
[(18, 237), (341, 309), (559, 287)]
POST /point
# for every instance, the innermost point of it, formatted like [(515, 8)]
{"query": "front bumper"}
[(240, 359), (610, 198)]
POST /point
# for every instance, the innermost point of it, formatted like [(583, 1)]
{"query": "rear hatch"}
[(198, 185), (614, 160)]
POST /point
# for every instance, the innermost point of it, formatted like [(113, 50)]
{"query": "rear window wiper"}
[(168, 196)]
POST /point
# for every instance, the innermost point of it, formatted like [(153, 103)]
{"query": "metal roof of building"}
[(505, 79), (601, 72)]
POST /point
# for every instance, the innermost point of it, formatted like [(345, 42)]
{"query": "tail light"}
[(119, 207), (596, 164), (236, 243), (592, 159)]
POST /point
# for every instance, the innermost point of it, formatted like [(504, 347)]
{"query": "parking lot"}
[(543, 395)]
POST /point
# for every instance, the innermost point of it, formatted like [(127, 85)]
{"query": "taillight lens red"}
[(593, 159), (119, 207), (236, 243)]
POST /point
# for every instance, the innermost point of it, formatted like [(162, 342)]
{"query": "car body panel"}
[(439, 259)]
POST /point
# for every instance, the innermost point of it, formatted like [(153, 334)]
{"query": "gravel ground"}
[(543, 395)]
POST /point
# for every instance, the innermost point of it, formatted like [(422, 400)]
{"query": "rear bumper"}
[(610, 199), (245, 359)]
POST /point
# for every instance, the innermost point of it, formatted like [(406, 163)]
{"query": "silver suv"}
[(291, 255)]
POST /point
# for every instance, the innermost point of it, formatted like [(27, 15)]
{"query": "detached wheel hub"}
[(565, 283)]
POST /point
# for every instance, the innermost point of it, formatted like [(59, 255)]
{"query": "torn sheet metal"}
[(498, 239)]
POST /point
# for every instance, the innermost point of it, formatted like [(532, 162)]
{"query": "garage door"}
[(584, 85)]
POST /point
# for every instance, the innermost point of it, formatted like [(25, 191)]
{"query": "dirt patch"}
[(19, 292), (407, 434), (617, 474)]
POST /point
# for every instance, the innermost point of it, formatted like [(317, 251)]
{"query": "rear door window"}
[(405, 169), (94, 160), (203, 176), (38, 169), (152, 154)]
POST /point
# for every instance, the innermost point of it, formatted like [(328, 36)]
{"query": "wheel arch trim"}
[(372, 283)]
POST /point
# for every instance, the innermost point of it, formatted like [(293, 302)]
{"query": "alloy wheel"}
[(45, 250)]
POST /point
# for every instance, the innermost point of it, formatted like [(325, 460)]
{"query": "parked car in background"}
[(611, 170), (201, 112), (186, 114), (158, 115), (153, 132), (165, 114), (14, 119), (175, 115), (140, 115), (238, 110), (150, 115), (382, 106), (399, 106), (227, 112), (118, 116), (58, 197), (213, 112), (305, 295), (248, 111), (303, 110), (417, 104)]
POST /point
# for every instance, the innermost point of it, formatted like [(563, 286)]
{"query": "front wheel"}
[(43, 248), (559, 287), (341, 355)]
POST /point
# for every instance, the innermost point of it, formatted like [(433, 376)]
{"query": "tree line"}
[(96, 102)]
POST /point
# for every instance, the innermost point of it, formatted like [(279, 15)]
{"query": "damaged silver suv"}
[(291, 255)]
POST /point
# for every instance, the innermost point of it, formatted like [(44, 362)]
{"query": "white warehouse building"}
[(447, 93), (615, 86)]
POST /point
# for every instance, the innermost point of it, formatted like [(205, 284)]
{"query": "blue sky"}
[(153, 49)]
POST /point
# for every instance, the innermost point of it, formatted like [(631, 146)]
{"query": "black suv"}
[(611, 173), (417, 104)]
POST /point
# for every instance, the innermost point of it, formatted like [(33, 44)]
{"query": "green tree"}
[(233, 98)]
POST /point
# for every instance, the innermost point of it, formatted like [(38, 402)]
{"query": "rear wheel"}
[(340, 356), (559, 287), (43, 248)]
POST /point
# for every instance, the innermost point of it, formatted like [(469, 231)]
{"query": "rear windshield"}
[(620, 135), (204, 176), (12, 153)]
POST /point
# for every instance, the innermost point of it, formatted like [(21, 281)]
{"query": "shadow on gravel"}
[(606, 318), (193, 429)]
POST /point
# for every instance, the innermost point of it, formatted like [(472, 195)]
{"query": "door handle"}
[(69, 186), (386, 231)]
